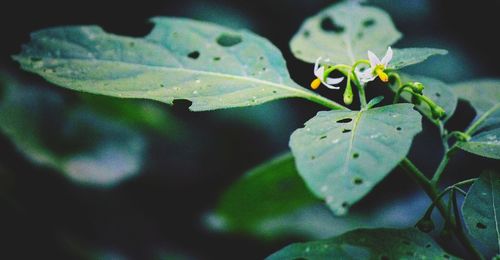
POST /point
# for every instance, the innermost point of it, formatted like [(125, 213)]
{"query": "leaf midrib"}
[(210, 73), (351, 141)]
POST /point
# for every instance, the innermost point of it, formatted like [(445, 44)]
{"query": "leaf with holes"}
[(344, 33), (212, 66), (87, 148), (250, 202), (436, 90), (484, 96), (481, 210), (381, 243), (342, 155)]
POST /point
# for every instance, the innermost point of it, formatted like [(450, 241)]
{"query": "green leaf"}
[(381, 243), (481, 210), (344, 33), (67, 137), (484, 97), (342, 155), (265, 193), (436, 90), (212, 66), (410, 56)]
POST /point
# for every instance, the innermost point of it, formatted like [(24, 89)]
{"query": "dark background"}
[(47, 216)]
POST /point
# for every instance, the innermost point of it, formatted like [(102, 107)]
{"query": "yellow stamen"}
[(315, 83), (382, 75)]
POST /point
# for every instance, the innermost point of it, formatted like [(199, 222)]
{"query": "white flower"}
[(319, 72), (377, 67)]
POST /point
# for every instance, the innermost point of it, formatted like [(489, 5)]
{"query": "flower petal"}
[(333, 81), (319, 73), (388, 57), (316, 65), (330, 86), (366, 76), (374, 61)]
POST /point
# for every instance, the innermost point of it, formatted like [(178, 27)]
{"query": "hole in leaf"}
[(358, 181), (162, 86), (368, 22), (313, 157), (344, 120), (323, 137), (355, 155), (480, 225), (306, 34), (261, 58), (346, 130), (345, 204), (194, 55), (228, 40), (327, 24), (264, 69), (428, 246), (384, 257), (181, 104), (131, 44), (274, 91), (398, 128), (216, 58), (438, 94)]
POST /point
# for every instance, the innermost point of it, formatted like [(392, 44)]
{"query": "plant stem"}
[(432, 192), (361, 90), (480, 120), (325, 102)]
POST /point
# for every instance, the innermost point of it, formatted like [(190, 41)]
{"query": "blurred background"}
[(90, 177)]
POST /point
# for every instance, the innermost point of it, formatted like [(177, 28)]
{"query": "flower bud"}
[(438, 112), (348, 96), (425, 225), (417, 87)]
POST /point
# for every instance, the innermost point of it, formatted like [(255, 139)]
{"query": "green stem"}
[(311, 96), (398, 92), (432, 192), (361, 89), (450, 151), (458, 228), (480, 120)]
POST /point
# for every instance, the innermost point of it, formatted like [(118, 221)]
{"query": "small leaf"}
[(481, 210), (339, 153), (484, 96), (375, 101), (410, 56), (212, 66), (344, 33), (436, 90), (87, 148), (267, 192), (381, 243)]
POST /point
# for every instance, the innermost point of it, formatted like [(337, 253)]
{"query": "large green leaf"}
[(481, 210), (438, 91), (267, 192), (86, 147), (212, 66), (344, 33), (484, 96), (342, 155), (381, 243)]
